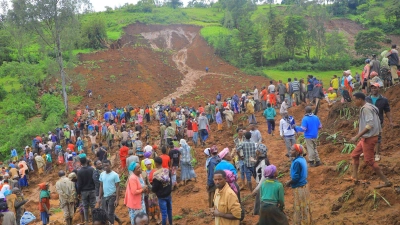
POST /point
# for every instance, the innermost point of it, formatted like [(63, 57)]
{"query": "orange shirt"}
[(71, 147), (195, 127), (201, 109), (165, 161), (264, 94)]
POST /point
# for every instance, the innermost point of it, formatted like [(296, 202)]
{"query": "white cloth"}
[(148, 148), (255, 94)]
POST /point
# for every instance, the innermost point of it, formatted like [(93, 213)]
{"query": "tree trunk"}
[(60, 63)]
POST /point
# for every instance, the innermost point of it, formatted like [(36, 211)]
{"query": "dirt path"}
[(180, 57)]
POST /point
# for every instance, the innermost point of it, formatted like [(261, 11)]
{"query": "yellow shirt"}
[(332, 96), (226, 201), (335, 83)]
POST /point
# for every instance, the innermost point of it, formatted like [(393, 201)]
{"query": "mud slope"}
[(160, 62), (152, 64)]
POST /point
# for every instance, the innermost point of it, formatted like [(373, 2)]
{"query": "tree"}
[(50, 20), (274, 25), (336, 45), (294, 33), (175, 4), (367, 41)]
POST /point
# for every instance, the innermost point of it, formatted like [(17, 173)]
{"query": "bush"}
[(94, 33), (51, 105), (20, 104)]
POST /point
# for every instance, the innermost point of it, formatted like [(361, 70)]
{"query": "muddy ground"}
[(153, 63)]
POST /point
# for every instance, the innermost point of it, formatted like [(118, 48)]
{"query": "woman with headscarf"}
[(23, 181), (261, 163), (298, 182), (187, 171), (44, 203), (134, 194), (79, 144), (272, 200), (225, 163), (147, 155), (152, 206)]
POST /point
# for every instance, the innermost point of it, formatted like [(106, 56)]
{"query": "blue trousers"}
[(166, 209)]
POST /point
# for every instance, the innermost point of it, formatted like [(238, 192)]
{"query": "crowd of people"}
[(152, 167)]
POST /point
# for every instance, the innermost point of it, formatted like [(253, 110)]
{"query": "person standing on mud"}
[(383, 105), (86, 188), (310, 125), (256, 98), (298, 182), (66, 191), (203, 128), (369, 130), (247, 149), (109, 191)]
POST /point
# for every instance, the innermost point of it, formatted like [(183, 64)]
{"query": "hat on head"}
[(223, 153), (262, 149), (147, 154), (132, 166), (376, 85), (147, 162), (330, 89), (269, 171), (299, 148), (42, 186)]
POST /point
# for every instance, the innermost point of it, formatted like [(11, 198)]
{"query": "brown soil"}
[(151, 74)]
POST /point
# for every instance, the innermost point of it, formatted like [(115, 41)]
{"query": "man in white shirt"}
[(284, 107), (271, 87), (287, 132), (256, 98)]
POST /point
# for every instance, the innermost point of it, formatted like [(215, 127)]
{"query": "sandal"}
[(386, 184)]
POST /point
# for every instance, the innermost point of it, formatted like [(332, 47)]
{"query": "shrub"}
[(94, 33)]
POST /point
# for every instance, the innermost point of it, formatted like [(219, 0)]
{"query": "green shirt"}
[(272, 191)]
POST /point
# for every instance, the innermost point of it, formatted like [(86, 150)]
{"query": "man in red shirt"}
[(165, 158), (123, 154), (195, 129), (263, 97)]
